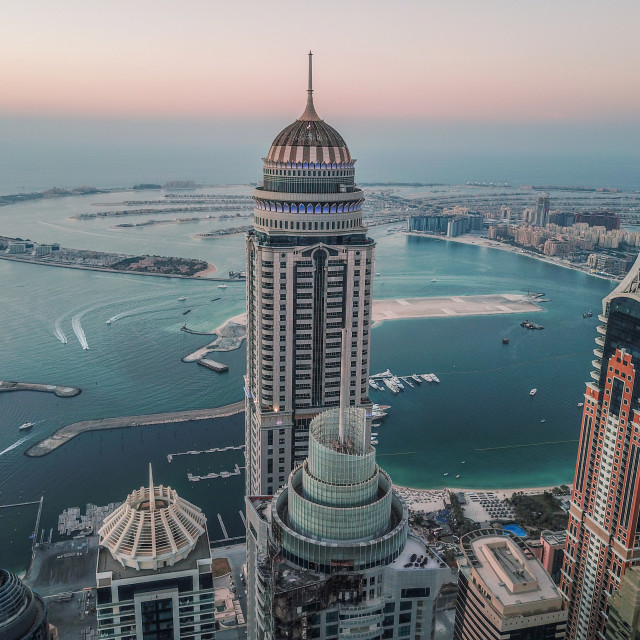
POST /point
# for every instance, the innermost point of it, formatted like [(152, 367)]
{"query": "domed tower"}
[(309, 275)]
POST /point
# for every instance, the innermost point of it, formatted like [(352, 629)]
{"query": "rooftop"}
[(508, 570)]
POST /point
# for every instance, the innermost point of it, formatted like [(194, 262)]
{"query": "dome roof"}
[(309, 138), (153, 528)]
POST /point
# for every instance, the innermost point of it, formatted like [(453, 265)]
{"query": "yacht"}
[(222, 286), (417, 378), (434, 377), (25, 426), (428, 377), (397, 382)]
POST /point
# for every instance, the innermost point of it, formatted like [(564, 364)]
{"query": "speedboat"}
[(182, 298), (533, 392), (25, 426)]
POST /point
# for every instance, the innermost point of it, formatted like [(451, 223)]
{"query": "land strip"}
[(70, 431), (60, 391), (452, 306)]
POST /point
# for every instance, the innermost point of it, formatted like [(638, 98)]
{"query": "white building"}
[(154, 578)]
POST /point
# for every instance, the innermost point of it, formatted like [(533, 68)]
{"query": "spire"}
[(152, 491), (310, 111)]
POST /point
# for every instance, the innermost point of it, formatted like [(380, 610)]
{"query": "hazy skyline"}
[(462, 61)]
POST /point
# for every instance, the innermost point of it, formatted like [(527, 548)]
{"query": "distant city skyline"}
[(464, 62)]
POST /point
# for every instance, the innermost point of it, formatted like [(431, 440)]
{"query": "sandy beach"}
[(481, 504)]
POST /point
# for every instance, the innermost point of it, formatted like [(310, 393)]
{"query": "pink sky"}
[(462, 60)]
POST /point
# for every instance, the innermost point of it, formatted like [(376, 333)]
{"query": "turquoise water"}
[(480, 413)]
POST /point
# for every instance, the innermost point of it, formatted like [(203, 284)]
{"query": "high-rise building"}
[(624, 608), (504, 591), (542, 210), (154, 574), (309, 275), (330, 555), (23, 613), (603, 536)]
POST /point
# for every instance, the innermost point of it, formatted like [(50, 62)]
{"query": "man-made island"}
[(54, 255)]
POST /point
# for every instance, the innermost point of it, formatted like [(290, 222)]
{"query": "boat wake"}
[(59, 333), (79, 331), (16, 444)]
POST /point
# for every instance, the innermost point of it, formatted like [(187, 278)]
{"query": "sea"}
[(479, 423)]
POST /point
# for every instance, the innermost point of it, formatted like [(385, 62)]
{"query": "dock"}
[(68, 432), (219, 367), (58, 390)]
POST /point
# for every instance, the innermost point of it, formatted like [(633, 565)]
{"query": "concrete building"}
[(504, 591), (553, 543), (330, 555), (23, 613), (542, 210), (309, 275), (603, 538), (154, 574), (624, 608)]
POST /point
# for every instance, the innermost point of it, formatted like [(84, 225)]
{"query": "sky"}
[(421, 90), (461, 60)]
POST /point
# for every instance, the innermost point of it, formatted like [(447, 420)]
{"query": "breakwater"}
[(60, 391), (70, 431)]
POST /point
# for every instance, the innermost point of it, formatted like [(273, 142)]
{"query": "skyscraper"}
[(330, 555), (309, 275), (603, 536)]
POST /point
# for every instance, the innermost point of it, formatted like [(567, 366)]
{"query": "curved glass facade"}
[(339, 505)]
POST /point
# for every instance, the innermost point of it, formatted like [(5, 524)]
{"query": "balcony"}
[(595, 375), (602, 329), (597, 364), (599, 341)]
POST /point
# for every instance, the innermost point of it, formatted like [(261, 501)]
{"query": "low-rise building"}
[(154, 574), (504, 591)]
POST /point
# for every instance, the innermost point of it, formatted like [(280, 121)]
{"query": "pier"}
[(212, 476), (171, 456), (68, 432), (219, 367), (58, 390)]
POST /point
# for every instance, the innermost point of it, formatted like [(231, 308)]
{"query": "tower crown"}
[(309, 138)]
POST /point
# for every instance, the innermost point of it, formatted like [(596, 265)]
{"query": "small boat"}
[(378, 273), (26, 425), (185, 312), (374, 441), (222, 286), (374, 434), (182, 298), (581, 404), (543, 420), (109, 321), (463, 462), (445, 474), (533, 392), (375, 424), (458, 476), (433, 280), (505, 340)]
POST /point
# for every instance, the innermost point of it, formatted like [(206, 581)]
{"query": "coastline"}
[(433, 499), (478, 241)]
